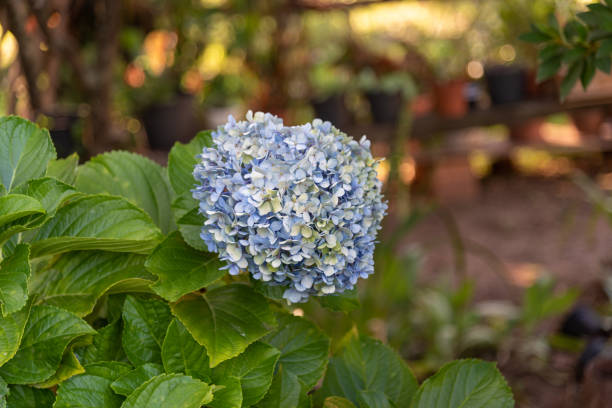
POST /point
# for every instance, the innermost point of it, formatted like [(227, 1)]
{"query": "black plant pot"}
[(506, 84), (61, 131), (332, 109), (385, 106), (166, 123)]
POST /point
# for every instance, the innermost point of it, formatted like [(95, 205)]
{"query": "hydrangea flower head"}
[(295, 206)]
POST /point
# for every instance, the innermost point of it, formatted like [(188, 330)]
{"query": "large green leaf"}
[(25, 150), (170, 390), (78, 279), (287, 391), (181, 269), (22, 396), (69, 367), (50, 192), (182, 354), (254, 367), (190, 225), (11, 332), (225, 320), (97, 222), (365, 370), (337, 402), (14, 275), (304, 348), (128, 382), (340, 302), (228, 394), (135, 177), (18, 213), (47, 333), (92, 389), (465, 384), (64, 169), (105, 346), (182, 159), (146, 322), (4, 390)]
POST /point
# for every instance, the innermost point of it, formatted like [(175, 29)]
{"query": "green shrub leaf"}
[(304, 348), (51, 193), (287, 391), (465, 384), (93, 388), (190, 226), (228, 394), (14, 275), (25, 150), (47, 333), (128, 382), (135, 177), (64, 169), (11, 332), (182, 354), (18, 213), (145, 325), (225, 320), (340, 302), (97, 222), (367, 365), (22, 396), (182, 159), (77, 280), (69, 367), (105, 346), (171, 390), (254, 367), (181, 269)]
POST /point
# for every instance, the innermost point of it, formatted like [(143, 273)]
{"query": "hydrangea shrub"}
[(110, 299)]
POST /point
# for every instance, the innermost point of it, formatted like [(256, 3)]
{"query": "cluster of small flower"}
[(295, 206)]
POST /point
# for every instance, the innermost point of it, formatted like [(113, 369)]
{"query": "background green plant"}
[(108, 300)]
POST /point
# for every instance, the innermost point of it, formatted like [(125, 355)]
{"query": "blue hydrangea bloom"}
[(296, 206)]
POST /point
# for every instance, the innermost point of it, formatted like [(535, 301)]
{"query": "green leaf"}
[(337, 402), (588, 72), (548, 68), (97, 222), (11, 332), (574, 54), (105, 346), (550, 51), (228, 395), (175, 390), (287, 391), (183, 204), (535, 36), (182, 354), (21, 396), (465, 384), (25, 150), (225, 320), (14, 207), (254, 368), (341, 302), (47, 333), (69, 367), (51, 193), (605, 48), (146, 322), (570, 78), (304, 348), (78, 279), (93, 388), (181, 269), (14, 275), (4, 390), (601, 14), (373, 399), (368, 365), (182, 160), (140, 180), (604, 64), (128, 382), (190, 225), (64, 169)]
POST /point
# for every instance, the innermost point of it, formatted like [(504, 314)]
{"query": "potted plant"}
[(329, 84), (386, 93)]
